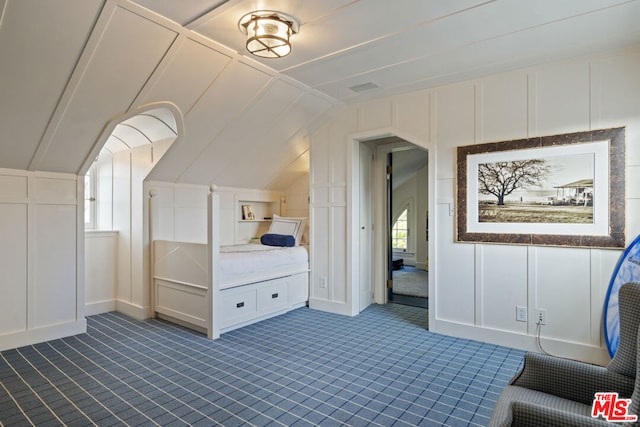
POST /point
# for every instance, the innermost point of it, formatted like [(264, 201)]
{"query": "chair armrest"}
[(570, 379), (531, 415)]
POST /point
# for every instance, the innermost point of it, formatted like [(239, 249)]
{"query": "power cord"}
[(539, 341)]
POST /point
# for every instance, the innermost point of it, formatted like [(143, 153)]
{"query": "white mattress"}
[(242, 264)]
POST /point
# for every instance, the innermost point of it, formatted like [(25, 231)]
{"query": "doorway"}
[(407, 226), (373, 252)]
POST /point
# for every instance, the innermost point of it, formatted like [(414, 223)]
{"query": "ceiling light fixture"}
[(268, 33)]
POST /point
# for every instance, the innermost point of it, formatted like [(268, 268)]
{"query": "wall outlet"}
[(521, 313), (541, 316), (323, 282)]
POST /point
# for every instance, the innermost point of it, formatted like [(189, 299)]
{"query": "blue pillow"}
[(278, 240)]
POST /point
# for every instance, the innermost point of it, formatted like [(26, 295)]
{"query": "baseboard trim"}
[(99, 307), (570, 350), (133, 310), (331, 306), (42, 334)]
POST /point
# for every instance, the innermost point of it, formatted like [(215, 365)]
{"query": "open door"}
[(366, 227), (389, 225), (406, 212)]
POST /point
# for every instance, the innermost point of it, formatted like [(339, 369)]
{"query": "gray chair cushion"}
[(570, 379), (531, 415), (503, 413), (551, 391)]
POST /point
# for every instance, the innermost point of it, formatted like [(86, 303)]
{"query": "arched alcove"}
[(146, 125), (118, 245), (138, 138)]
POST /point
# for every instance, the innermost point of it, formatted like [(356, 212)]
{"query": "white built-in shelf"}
[(247, 229)]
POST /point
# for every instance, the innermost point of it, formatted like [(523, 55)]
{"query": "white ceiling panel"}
[(539, 44), (183, 11), (274, 149), (281, 159), (437, 37), (220, 105), (249, 133), (305, 110), (128, 51), (40, 43), (264, 113), (364, 23), (187, 75), (292, 172)]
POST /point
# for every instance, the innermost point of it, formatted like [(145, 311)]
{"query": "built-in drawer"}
[(273, 296), (298, 289), (237, 305)]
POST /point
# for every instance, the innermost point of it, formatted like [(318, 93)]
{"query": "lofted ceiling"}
[(69, 67)]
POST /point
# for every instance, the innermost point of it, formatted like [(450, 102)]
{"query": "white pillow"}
[(288, 226)]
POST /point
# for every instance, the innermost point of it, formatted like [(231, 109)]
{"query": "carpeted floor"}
[(411, 281), (304, 368)]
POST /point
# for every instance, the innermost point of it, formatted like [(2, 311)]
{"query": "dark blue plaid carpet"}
[(303, 368)]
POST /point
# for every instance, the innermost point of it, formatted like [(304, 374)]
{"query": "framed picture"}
[(247, 213), (560, 190)]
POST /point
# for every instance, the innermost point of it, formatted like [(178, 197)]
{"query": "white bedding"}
[(242, 264)]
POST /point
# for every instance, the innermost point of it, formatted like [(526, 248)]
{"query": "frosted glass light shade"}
[(268, 33)]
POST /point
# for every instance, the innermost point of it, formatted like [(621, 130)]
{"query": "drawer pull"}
[(274, 295), (240, 304)]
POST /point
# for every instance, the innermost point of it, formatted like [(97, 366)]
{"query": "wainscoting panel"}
[(39, 255)]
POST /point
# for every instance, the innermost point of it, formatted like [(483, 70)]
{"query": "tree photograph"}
[(503, 178), (556, 189)]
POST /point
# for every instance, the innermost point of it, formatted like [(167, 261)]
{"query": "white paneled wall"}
[(297, 198), (100, 271), (495, 285), (41, 251), (178, 211), (475, 288), (297, 202), (330, 288), (130, 219)]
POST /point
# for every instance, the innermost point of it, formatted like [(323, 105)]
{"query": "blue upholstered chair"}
[(551, 391)]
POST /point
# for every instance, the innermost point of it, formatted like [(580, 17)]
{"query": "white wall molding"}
[(41, 257)]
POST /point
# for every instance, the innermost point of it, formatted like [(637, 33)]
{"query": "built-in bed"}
[(217, 289)]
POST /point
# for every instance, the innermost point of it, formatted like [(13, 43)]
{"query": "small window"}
[(400, 231), (90, 191)]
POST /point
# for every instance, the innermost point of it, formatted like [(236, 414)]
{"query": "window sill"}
[(98, 233), (401, 252)]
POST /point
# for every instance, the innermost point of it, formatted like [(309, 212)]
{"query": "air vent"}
[(364, 86)]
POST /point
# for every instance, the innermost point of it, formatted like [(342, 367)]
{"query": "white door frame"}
[(379, 235)]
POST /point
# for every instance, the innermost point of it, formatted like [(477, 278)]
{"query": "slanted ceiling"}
[(69, 67)]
